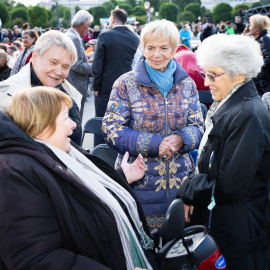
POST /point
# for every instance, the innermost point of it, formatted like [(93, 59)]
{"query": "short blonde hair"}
[(4, 56), (35, 109), (54, 38), (260, 21), (160, 30)]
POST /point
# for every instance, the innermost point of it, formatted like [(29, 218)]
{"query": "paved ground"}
[(89, 112)]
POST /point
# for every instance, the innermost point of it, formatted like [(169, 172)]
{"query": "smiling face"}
[(222, 85), (52, 67), (64, 128), (28, 41), (158, 54)]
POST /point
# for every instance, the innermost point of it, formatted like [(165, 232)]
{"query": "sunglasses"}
[(210, 76)]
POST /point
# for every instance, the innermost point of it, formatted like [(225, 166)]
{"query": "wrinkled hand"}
[(96, 93), (134, 171), (166, 149), (176, 141), (188, 209)]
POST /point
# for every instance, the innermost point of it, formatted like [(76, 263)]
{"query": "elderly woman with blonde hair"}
[(5, 67), (60, 207), (53, 55), (155, 111), (238, 132)]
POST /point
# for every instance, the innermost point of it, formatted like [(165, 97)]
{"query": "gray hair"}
[(54, 38), (82, 16), (237, 55)]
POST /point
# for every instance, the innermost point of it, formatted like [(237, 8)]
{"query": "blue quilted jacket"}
[(138, 117)]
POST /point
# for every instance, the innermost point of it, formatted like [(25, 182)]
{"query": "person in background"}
[(3, 34), (15, 27), (6, 41), (208, 31), (222, 28), (88, 36), (240, 27), (9, 35), (53, 56), (238, 132), (96, 32), (25, 27), (90, 55), (154, 111), (184, 35), (30, 38), (5, 68), (10, 51), (18, 45), (17, 34), (79, 72), (196, 32), (259, 25), (38, 31), (229, 28)]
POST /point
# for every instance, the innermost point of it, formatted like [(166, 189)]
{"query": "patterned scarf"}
[(21, 60)]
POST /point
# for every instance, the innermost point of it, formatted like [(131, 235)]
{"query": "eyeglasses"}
[(210, 76)]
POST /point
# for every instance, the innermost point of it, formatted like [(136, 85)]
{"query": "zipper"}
[(167, 161)]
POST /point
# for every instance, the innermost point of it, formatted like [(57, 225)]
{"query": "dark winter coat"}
[(48, 219), (5, 74), (240, 139), (262, 81)]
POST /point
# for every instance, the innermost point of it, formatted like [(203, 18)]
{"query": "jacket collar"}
[(142, 77), (262, 34), (245, 92)]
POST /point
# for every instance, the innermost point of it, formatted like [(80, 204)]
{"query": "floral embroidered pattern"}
[(155, 221), (143, 142)]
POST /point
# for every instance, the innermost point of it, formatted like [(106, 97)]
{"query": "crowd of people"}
[(63, 208)]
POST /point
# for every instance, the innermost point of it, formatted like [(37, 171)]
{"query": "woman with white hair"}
[(257, 29), (155, 111), (52, 58), (238, 132)]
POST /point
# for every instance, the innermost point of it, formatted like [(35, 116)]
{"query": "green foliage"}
[(77, 8), (168, 11), (126, 7), (265, 2), (65, 23), (19, 13), (9, 4), (204, 20), (188, 16), (132, 3), (208, 15), (204, 9), (109, 6), (195, 9), (139, 11), (49, 14), (222, 12), (67, 14), (98, 13), (52, 22), (181, 4), (256, 4), (4, 15), (237, 8), (61, 9), (18, 21), (38, 16), (155, 4), (20, 5), (141, 19)]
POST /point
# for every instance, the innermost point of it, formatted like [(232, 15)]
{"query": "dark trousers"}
[(82, 105), (101, 102)]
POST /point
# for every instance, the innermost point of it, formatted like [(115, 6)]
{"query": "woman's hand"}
[(188, 209), (166, 149), (246, 31), (175, 141), (134, 171)]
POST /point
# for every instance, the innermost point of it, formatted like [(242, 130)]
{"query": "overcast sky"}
[(29, 2)]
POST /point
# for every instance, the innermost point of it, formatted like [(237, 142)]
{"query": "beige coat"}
[(22, 80)]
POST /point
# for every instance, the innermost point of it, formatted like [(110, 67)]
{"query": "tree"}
[(4, 15), (188, 16), (77, 8), (49, 14), (67, 14), (65, 23), (208, 15), (139, 11), (239, 8), (19, 13), (61, 9), (183, 3), (126, 7), (168, 11), (18, 21), (141, 19), (222, 11), (265, 2), (155, 4), (38, 16), (132, 3), (98, 13), (256, 4), (9, 4), (195, 9), (20, 5), (204, 9), (109, 6)]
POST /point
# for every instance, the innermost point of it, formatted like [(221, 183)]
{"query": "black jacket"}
[(240, 139), (207, 32), (262, 81), (113, 57), (48, 219), (5, 74)]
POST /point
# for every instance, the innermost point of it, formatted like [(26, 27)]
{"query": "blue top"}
[(186, 35)]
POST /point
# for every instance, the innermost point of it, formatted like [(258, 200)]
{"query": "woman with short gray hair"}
[(52, 58), (238, 132)]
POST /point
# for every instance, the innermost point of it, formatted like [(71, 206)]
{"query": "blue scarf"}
[(163, 80)]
